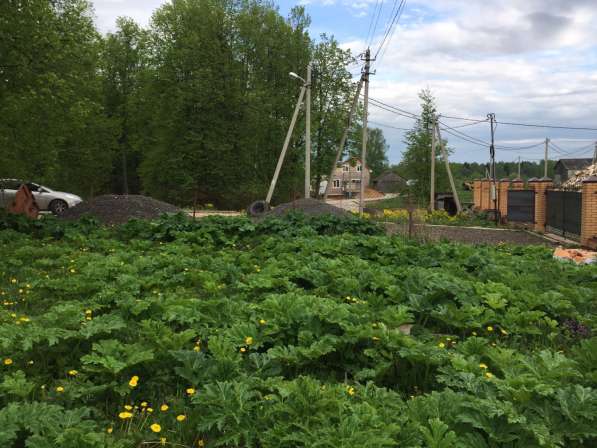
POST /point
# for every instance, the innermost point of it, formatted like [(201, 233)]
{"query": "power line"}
[(389, 126), (393, 20), (391, 35), (369, 35)]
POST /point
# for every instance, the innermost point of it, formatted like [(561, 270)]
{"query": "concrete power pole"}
[(297, 108), (432, 186), (447, 162), (595, 154), (308, 134), (365, 133), (492, 174), (545, 163), (518, 167)]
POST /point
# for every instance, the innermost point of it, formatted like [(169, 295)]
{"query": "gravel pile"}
[(307, 206), (118, 209)]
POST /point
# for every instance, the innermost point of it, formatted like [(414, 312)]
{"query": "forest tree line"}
[(193, 107)]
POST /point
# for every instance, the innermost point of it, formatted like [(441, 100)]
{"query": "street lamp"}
[(307, 86), (295, 76)]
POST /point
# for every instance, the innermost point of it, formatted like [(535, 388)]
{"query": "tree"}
[(124, 60), (52, 126), (416, 160)]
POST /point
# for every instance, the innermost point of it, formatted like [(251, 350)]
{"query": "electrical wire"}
[(394, 19), (388, 126)]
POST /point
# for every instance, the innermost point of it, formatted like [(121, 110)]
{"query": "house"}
[(346, 180), (567, 168), (389, 182)]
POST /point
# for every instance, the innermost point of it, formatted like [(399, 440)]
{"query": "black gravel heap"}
[(118, 209), (311, 207)]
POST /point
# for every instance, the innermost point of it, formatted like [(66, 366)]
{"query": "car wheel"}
[(58, 206)]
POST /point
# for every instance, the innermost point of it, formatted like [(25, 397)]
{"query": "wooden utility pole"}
[(365, 133), (353, 108), (447, 162), (272, 186), (432, 186), (545, 163), (308, 134)]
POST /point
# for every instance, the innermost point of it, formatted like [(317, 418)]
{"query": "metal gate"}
[(564, 213), (521, 205)]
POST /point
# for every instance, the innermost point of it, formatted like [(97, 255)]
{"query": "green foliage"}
[(309, 332)]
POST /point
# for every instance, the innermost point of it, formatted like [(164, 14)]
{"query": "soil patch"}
[(118, 209), (307, 206)]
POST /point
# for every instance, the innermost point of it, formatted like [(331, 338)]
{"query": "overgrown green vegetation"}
[(288, 333)]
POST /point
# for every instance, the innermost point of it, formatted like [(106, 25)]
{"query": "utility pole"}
[(272, 186), (491, 118), (308, 134), (353, 108), (595, 154), (545, 163), (445, 157), (365, 133), (519, 167), (432, 186)]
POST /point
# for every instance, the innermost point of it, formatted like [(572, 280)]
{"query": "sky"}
[(526, 61)]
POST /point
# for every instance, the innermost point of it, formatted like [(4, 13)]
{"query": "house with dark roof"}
[(567, 168), (389, 182)]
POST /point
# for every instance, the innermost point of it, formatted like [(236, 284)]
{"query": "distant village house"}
[(346, 180), (567, 168)]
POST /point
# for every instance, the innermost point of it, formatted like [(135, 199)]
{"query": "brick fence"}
[(483, 202)]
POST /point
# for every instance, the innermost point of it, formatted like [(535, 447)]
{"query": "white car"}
[(46, 198)]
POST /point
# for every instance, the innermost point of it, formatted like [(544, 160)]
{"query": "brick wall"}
[(588, 235), (477, 194), (540, 186), (503, 187)]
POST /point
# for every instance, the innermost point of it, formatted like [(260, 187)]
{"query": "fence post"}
[(485, 194), (540, 186), (517, 184), (477, 194), (588, 223), (503, 188)]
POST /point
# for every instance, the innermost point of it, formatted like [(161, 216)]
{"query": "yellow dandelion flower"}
[(109, 430), (474, 333), (197, 348), (144, 404), (20, 291), (243, 350), (13, 315), (164, 407), (262, 322), (441, 345), (488, 375), (350, 390), (7, 361), (73, 372), (128, 407), (248, 340), (27, 285), (133, 381), (60, 389), (489, 328), (88, 312), (150, 410), (504, 332), (191, 391), (200, 443), (125, 415), (72, 270), (375, 338), (24, 319), (13, 280), (181, 418), (483, 366), (30, 362), (156, 427)]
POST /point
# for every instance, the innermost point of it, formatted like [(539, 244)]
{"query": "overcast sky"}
[(529, 61)]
